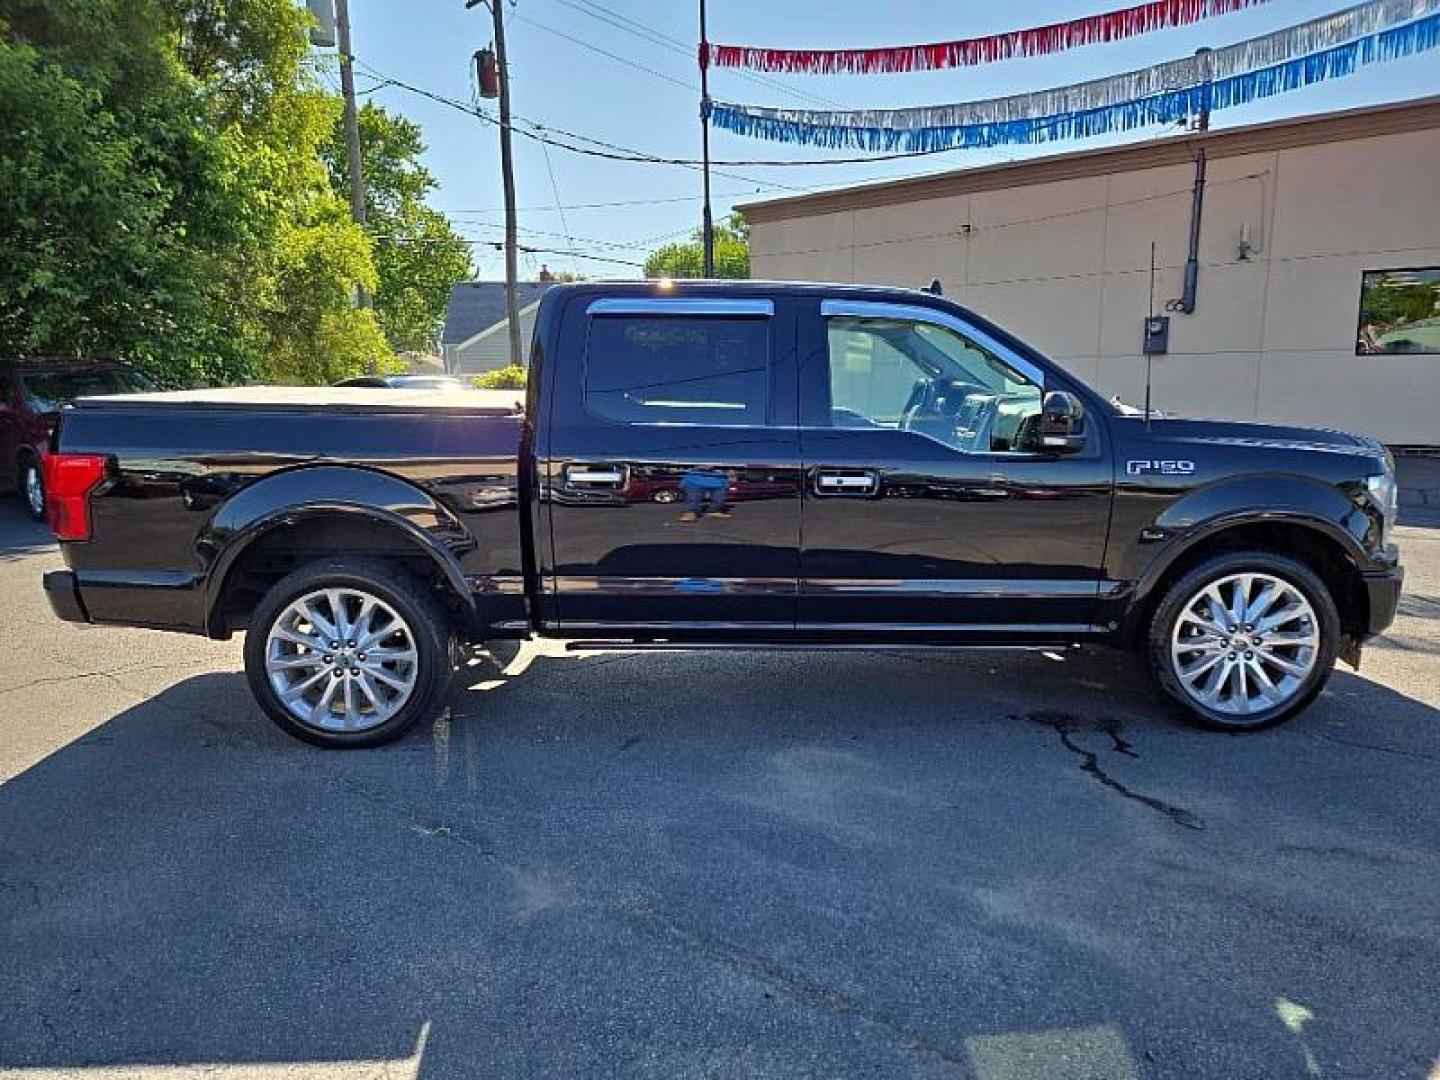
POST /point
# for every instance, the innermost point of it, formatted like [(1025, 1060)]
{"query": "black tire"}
[(30, 468), (1173, 603), (430, 630)]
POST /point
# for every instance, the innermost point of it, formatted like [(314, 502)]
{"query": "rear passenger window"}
[(678, 369)]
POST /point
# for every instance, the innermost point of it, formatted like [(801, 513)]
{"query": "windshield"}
[(49, 391)]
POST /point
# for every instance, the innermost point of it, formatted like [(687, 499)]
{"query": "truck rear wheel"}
[(1244, 641), (349, 653)]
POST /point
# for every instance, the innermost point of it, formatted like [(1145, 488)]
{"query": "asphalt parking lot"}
[(982, 865)]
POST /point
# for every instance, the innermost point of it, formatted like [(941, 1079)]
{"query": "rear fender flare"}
[(308, 492)]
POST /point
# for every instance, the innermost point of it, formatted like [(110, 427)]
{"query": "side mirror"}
[(1062, 424)]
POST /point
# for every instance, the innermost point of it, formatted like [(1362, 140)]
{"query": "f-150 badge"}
[(1164, 468)]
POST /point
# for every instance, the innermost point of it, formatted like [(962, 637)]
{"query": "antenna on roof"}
[(1149, 320), (934, 288)]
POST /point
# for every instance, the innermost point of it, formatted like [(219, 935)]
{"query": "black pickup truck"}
[(743, 464)]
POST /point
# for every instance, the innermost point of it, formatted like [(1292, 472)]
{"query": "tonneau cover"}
[(341, 398)]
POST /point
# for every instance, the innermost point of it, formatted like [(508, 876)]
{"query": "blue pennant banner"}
[(1211, 81)]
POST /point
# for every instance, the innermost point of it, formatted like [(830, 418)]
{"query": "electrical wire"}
[(555, 189), (617, 152), (499, 245), (601, 205), (605, 52), (621, 22)]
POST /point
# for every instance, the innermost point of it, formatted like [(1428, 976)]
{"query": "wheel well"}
[(1318, 551), (284, 548)]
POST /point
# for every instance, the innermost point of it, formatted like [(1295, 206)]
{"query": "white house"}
[(476, 338)]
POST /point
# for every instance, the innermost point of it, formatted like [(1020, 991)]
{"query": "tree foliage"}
[(509, 377), (162, 195), (687, 260), (418, 255)]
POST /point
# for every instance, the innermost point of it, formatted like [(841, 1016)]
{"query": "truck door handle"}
[(856, 482), (595, 477), (997, 488)]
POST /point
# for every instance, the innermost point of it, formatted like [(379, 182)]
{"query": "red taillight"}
[(69, 480)]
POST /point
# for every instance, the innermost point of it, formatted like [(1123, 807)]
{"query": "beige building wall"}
[(1063, 261)]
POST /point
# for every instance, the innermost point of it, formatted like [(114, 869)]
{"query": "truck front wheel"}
[(1245, 640), (349, 653)]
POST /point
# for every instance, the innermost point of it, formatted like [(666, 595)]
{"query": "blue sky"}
[(648, 100)]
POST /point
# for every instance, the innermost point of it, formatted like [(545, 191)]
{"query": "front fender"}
[(308, 491), (1206, 512)]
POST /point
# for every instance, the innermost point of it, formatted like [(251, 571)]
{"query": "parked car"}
[(409, 382), (32, 393), (917, 476)]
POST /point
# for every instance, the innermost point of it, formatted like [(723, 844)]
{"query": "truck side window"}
[(893, 373), (678, 369)]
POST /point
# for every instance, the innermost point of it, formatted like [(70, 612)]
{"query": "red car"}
[(32, 393)]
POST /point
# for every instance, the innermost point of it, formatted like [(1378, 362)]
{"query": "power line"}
[(602, 205), (499, 245), (605, 52), (555, 189), (619, 245), (616, 152), (621, 22)]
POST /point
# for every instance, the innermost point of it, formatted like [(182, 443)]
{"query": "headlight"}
[(1386, 494)]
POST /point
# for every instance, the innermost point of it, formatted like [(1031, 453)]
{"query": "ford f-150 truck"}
[(742, 464)]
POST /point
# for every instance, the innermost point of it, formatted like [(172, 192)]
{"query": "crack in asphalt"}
[(1065, 725), (111, 674), (764, 971), (746, 963), (1413, 755)]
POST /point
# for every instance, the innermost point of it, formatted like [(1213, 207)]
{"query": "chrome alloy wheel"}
[(341, 660), (1245, 643), (34, 490)]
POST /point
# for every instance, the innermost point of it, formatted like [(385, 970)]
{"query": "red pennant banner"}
[(969, 52)]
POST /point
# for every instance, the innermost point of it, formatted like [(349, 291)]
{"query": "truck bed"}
[(309, 398)]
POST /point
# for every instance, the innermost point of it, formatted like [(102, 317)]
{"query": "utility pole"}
[(512, 307), (352, 123), (707, 222)]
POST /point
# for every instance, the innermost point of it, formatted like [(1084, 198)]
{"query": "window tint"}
[(893, 373), (678, 369)]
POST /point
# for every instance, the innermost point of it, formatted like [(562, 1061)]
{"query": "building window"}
[(1399, 312), (678, 370)]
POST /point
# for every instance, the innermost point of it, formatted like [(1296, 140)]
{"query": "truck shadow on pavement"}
[(748, 863), (19, 536)]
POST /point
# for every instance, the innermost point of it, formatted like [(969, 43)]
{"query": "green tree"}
[(162, 197), (687, 260), (108, 203), (418, 254), (294, 280)]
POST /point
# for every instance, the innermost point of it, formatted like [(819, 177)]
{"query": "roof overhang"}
[(1418, 115)]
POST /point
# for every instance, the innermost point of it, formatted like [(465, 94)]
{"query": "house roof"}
[(478, 305), (1416, 115)]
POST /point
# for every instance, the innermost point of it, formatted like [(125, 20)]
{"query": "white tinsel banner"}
[(1328, 47)]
